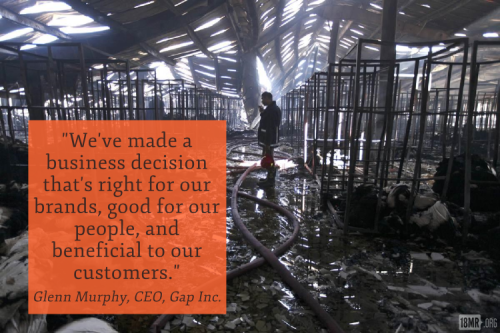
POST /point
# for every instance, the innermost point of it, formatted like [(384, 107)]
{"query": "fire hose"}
[(267, 255), (241, 270), (272, 259)]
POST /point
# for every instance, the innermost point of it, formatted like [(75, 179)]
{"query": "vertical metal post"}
[(423, 115), (497, 130), (410, 118), (83, 73), (352, 161), (474, 76), (325, 133), (129, 90), (334, 40), (458, 115)]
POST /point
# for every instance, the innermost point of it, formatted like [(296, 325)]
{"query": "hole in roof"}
[(208, 67), (169, 38), (156, 64), (15, 34), (220, 46), (45, 6), (79, 30), (144, 4), (180, 3), (266, 12), (372, 48), (176, 46), (209, 24), (490, 35), (27, 47), (164, 73), (269, 23), (228, 59), (317, 2), (70, 21), (219, 32), (44, 39)]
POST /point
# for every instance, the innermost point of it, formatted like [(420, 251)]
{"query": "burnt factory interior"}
[(385, 211)]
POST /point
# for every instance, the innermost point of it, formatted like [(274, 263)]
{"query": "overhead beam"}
[(218, 83), (26, 21), (193, 73), (389, 20), (190, 31), (230, 11), (297, 41), (334, 41), (277, 40), (352, 13), (277, 54), (149, 29), (118, 27), (254, 19)]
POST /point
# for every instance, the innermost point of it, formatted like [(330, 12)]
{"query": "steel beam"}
[(118, 27), (26, 21)]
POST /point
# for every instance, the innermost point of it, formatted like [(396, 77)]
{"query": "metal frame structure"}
[(476, 113), (398, 129), (70, 81)]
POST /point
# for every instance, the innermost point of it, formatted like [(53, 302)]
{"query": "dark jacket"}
[(270, 120)]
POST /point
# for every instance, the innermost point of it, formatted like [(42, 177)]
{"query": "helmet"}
[(267, 162)]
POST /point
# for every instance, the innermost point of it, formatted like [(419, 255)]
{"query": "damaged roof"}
[(202, 41)]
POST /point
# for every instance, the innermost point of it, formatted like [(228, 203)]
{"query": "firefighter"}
[(268, 136)]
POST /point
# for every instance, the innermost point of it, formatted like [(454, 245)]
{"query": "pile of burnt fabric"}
[(14, 161), (14, 261), (484, 196), (13, 210), (14, 283), (428, 215)]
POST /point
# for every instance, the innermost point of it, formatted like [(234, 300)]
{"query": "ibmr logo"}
[(469, 322)]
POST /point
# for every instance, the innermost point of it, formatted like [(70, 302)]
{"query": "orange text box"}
[(127, 217)]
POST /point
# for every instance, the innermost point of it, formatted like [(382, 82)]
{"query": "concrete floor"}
[(367, 283)]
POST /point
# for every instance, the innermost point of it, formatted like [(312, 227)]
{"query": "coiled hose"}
[(268, 255), (271, 258), (243, 269)]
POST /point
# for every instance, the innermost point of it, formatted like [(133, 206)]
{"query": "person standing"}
[(268, 134)]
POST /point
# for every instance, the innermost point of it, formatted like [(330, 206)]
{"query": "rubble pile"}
[(484, 197), (14, 161), (427, 213)]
